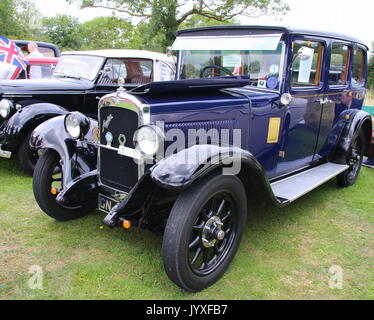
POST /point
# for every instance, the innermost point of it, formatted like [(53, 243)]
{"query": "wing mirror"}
[(169, 52)]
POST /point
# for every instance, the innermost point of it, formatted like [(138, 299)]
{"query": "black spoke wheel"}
[(354, 160), (26, 157), (48, 182), (203, 232)]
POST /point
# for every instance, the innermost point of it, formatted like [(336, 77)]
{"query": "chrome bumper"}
[(5, 154)]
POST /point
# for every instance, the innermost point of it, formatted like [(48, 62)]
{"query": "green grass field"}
[(285, 254)]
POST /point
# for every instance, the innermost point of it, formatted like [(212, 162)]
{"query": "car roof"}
[(122, 53), (288, 30)]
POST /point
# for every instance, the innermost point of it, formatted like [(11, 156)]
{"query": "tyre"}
[(354, 159), (26, 157), (203, 232), (47, 182)]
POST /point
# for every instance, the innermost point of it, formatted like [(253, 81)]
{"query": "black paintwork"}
[(42, 99), (192, 85), (79, 159)]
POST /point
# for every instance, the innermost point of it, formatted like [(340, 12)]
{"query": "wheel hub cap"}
[(212, 232)]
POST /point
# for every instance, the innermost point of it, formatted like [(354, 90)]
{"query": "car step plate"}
[(294, 187)]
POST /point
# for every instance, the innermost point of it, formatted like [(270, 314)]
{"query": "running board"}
[(293, 187)]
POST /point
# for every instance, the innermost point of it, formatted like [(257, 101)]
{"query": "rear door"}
[(338, 97), (303, 115)]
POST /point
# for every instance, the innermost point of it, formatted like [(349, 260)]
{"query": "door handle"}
[(322, 101)]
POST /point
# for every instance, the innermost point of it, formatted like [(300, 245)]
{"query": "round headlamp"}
[(5, 108), (76, 125), (148, 139)]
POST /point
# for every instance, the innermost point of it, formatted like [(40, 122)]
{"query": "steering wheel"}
[(214, 66)]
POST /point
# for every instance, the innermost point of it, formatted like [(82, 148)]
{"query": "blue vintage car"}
[(255, 112)]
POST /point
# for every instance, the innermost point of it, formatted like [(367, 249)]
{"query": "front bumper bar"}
[(5, 154)]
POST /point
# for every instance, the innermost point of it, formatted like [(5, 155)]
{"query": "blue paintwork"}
[(307, 127)]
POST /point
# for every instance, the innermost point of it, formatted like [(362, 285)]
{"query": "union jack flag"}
[(10, 53)]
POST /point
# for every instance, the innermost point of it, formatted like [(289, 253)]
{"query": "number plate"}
[(106, 204), (128, 152)]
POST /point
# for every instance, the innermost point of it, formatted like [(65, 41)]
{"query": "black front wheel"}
[(203, 232), (354, 160), (48, 182), (26, 157)]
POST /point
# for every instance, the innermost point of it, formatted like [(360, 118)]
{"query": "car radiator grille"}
[(117, 171)]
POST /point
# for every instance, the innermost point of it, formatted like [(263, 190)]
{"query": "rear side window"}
[(138, 71), (358, 67), (40, 71), (339, 65), (307, 64)]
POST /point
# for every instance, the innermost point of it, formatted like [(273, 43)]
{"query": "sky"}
[(354, 18)]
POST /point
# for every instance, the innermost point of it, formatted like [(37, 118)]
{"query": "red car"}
[(40, 67)]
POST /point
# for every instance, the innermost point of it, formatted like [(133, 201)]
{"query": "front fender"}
[(185, 168), (182, 169), (79, 159), (15, 129)]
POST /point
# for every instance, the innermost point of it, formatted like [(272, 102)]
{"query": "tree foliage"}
[(63, 30), (107, 32), (166, 16), (18, 19)]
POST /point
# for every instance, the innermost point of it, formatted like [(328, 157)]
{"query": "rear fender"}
[(79, 158), (352, 122)]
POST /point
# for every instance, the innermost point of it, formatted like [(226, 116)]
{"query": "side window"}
[(358, 67), (166, 72), (138, 71), (40, 71), (46, 52), (307, 64), (338, 73), (113, 69)]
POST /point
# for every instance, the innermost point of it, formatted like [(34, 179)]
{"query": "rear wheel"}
[(47, 183), (203, 232), (355, 157), (26, 157)]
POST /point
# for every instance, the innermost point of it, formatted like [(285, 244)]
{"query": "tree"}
[(166, 16), (15, 18), (63, 30), (200, 21), (107, 32)]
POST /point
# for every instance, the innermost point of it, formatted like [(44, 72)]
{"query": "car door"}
[(302, 117), (338, 97)]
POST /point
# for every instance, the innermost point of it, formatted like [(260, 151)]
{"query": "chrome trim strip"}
[(5, 154)]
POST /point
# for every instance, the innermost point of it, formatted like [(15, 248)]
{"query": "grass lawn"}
[(285, 254)]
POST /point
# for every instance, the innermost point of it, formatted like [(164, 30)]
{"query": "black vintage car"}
[(257, 112), (78, 82)]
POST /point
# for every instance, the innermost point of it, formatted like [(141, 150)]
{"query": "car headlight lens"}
[(5, 108), (76, 125), (148, 139)]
